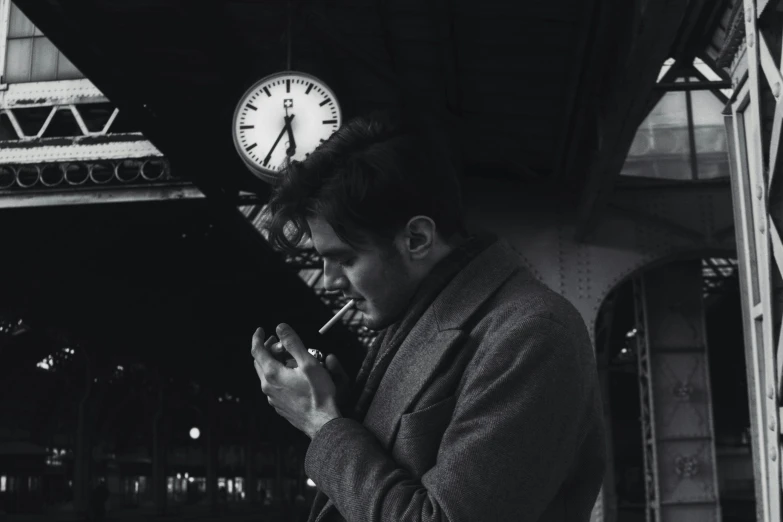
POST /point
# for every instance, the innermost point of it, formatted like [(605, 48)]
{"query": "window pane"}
[(44, 60), (17, 61), (20, 26), (709, 135), (661, 147), (66, 70), (708, 125)]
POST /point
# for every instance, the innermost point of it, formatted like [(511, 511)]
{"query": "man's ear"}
[(419, 236)]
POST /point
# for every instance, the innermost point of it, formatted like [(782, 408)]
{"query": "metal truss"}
[(755, 147), (88, 182), (76, 149), (716, 271), (72, 109), (42, 94), (30, 109), (84, 174), (651, 487), (680, 471), (46, 126), (61, 143)]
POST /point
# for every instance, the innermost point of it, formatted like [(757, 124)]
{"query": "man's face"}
[(377, 278)]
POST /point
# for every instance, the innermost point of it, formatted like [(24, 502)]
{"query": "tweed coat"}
[(489, 411)]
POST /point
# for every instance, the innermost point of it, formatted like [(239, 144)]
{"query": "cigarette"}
[(336, 317)]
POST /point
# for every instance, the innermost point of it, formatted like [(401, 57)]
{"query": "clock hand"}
[(292, 145), (279, 137)]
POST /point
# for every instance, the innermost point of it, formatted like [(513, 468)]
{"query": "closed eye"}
[(346, 263)]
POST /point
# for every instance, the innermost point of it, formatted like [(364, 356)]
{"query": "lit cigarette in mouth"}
[(336, 317)]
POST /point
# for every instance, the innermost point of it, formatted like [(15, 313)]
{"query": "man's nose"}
[(334, 281)]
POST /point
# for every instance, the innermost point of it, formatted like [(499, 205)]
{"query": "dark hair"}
[(367, 180)]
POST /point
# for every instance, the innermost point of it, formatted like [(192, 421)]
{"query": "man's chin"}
[(374, 323), (371, 322)]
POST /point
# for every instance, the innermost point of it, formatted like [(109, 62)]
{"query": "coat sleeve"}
[(511, 441)]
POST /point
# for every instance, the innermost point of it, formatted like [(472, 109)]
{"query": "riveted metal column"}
[(679, 440), (754, 123)]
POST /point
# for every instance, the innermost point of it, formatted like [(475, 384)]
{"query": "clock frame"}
[(283, 109)]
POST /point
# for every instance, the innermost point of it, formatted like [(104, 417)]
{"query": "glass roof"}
[(683, 137)]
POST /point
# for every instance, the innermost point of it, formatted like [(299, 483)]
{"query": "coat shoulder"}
[(524, 298)]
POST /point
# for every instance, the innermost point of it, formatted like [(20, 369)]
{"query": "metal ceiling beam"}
[(705, 85), (713, 65), (442, 14), (659, 30), (320, 22), (591, 50), (674, 72)]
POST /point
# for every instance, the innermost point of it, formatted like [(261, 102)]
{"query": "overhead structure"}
[(531, 91), (750, 50)]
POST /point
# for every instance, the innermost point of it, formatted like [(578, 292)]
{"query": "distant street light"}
[(195, 433)]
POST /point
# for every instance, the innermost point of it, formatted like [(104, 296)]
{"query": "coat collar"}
[(435, 335), (474, 285)]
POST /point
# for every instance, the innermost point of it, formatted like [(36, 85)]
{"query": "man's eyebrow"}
[(331, 253)]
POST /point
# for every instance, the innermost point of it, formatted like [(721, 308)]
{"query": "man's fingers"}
[(334, 367), (293, 344), (258, 341), (264, 377), (274, 345), (268, 364)]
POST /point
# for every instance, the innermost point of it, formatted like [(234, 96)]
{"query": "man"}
[(479, 400)]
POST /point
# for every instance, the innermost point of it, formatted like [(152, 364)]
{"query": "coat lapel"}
[(325, 510), (434, 336), (406, 376), (431, 341)]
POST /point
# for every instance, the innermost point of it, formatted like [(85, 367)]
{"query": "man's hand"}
[(305, 396)]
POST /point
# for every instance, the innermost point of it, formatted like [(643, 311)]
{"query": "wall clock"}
[(284, 114)]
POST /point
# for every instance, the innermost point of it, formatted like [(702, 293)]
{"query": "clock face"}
[(285, 114)]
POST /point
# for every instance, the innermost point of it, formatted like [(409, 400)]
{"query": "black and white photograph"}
[(391, 261)]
